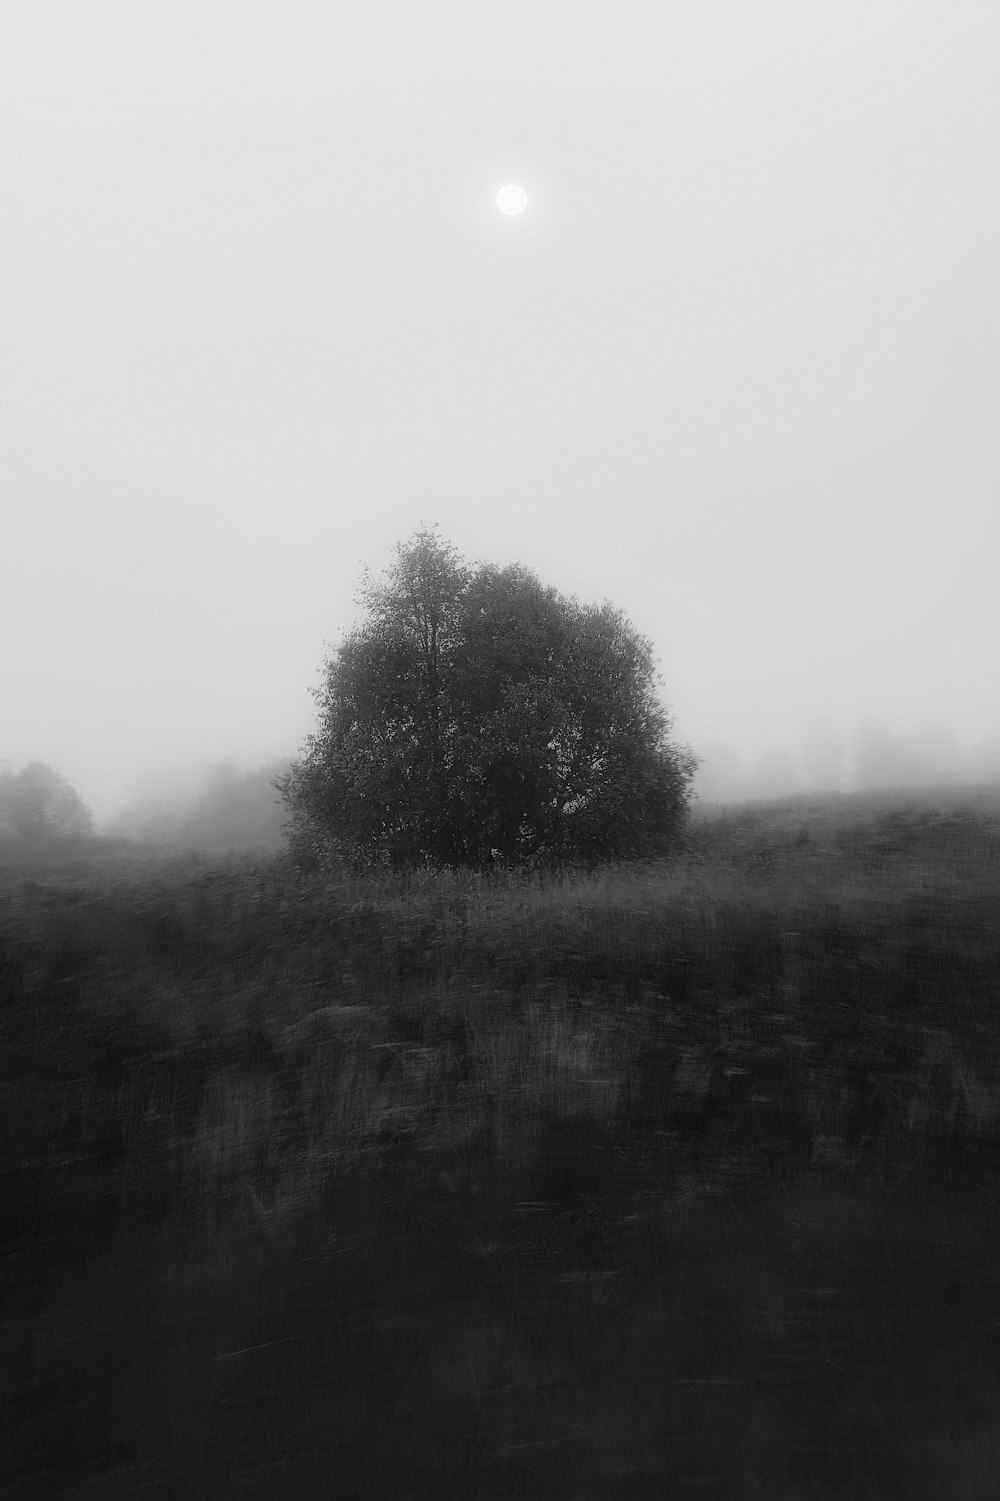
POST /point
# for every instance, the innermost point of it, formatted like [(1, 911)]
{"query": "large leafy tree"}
[(476, 716)]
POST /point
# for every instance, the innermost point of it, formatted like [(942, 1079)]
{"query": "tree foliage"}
[(477, 717), (38, 805)]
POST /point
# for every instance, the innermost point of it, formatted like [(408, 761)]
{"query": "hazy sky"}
[(736, 368)]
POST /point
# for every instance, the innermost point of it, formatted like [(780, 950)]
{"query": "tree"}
[(477, 717), (218, 812), (38, 805)]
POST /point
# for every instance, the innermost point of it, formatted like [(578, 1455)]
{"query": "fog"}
[(736, 368), (876, 760)]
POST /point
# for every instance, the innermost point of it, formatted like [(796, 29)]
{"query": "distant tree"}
[(478, 717), (38, 805), (235, 811), (220, 811)]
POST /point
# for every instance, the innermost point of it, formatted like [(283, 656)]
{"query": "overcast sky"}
[(736, 368)]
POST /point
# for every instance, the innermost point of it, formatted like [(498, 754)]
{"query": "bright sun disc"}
[(512, 199)]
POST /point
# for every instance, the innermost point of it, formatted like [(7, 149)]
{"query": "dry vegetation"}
[(662, 1182)]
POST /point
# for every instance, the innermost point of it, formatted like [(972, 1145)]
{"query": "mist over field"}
[(875, 761), (221, 808), (735, 367), (225, 805)]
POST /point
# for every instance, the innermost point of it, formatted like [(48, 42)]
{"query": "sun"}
[(512, 199)]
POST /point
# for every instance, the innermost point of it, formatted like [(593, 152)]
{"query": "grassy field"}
[(676, 1181)]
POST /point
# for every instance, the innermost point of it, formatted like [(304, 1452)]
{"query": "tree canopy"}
[(38, 805), (476, 717)]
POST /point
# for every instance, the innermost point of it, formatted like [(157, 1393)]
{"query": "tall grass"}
[(668, 1180)]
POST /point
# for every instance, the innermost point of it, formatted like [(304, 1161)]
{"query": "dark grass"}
[(663, 1182)]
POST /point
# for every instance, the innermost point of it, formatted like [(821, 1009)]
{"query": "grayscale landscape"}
[(499, 751)]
